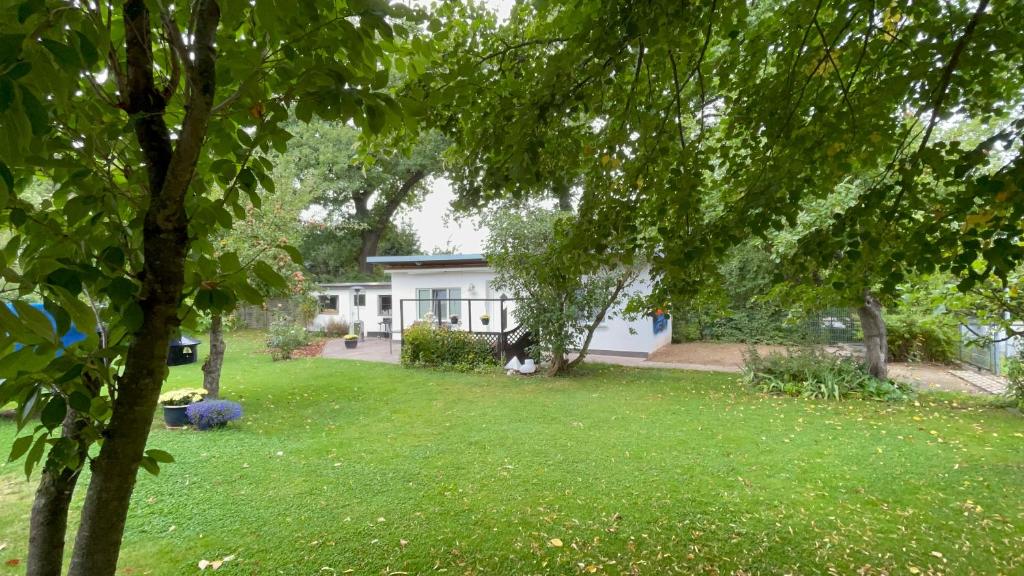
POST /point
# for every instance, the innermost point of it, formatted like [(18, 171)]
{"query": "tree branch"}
[(947, 73)]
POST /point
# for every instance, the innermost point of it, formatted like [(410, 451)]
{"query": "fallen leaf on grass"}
[(557, 543), (13, 562)]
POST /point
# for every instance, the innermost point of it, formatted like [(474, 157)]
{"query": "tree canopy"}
[(360, 188), (689, 127)]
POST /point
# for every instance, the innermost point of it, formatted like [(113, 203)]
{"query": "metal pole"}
[(401, 320), (469, 303), (501, 332)]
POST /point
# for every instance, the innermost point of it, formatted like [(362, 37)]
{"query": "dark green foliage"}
[(812, 373), (331, 252), (764, 324), (921, 339), (425, 345)]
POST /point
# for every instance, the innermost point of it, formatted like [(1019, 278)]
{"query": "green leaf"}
[(6, 97), (54, 412), (37, 116), (79, 402), (269, 276), (150, 465), (10, 47), (28, 8), (35, 321), (66, 56), (229, 263), (160, 456), (90, 55), (7, 178), (22, 361), (293, 253), (35, 455), (20, 447)]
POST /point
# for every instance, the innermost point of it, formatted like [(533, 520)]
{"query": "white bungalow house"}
[(340, 302), (434, 283)]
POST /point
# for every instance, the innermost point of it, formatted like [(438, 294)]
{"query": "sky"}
[(439, 228), (433, 221)]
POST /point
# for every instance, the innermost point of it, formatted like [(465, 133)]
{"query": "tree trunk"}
[(620, 284), (48, 526), (559, 364), (876, 348), (214, 361), (165, 245), (370, 243)]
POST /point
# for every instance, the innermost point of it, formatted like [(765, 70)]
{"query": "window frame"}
[(327, 310)]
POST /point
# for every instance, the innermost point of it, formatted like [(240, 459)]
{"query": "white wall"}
[(613, 335), (369, 314), (631, 337), (471, 282)]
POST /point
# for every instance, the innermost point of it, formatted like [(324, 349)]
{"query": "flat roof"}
[(428, 259), (354, 284)]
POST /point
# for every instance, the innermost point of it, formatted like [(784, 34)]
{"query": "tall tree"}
[(695, 126), (560, 305), (151, 120), (331, 251), (359, 188), (267, 234)]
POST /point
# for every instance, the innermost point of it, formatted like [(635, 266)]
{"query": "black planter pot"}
[(176, 416), (351, 343), (485, 321)]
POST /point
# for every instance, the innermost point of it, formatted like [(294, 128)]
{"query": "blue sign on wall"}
[(660, 322)]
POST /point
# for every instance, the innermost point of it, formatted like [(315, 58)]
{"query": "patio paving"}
[(369, 350)]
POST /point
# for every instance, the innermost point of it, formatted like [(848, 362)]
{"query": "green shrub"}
[(285, 337), (426, 345), (917, 339), (1015, 374), (812, 373)]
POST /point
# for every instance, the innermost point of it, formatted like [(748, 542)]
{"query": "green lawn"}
[(343, 467)]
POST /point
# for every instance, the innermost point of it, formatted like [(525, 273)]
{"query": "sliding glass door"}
[(441, 301)]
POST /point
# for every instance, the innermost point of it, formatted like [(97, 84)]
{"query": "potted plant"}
[(176, 403), (351, 340), (454, 319), (210, 414), (485, 319)]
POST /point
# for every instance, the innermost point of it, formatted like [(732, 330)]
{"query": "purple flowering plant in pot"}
[(210, 414)]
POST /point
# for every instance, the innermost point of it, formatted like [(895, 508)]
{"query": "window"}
[(384, 305), (328, 303), (359, 299), (440, 301)]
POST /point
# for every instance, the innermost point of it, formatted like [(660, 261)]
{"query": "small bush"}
[(811, 373), (1015, 375), (213, 413), (915, 339), (336, 328), (438, 347), (285, 337)]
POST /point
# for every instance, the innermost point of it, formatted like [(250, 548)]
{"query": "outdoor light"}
[(357, 290)]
